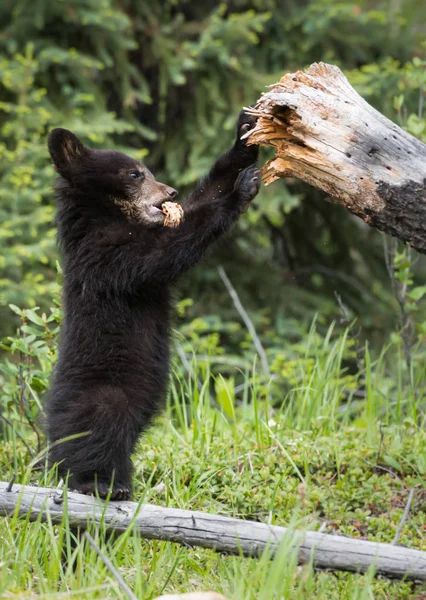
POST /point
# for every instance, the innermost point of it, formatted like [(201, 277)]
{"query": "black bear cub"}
[(118, 263)]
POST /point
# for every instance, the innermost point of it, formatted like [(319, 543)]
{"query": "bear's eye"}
[(137, 175)]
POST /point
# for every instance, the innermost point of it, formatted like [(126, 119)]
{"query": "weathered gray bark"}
[(223, 534), (324, 133)]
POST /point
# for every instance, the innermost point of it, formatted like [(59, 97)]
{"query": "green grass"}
[(326, 458)]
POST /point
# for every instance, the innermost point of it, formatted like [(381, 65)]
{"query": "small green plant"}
[(24, 376)]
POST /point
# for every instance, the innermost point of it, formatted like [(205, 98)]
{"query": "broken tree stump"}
[(325, 134)]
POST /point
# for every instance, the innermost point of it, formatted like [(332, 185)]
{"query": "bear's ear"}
[(65, 149)]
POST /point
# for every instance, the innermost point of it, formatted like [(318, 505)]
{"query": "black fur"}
[(112, 372)]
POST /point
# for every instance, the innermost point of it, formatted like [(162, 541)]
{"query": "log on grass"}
[(223, 534), (325, 134)]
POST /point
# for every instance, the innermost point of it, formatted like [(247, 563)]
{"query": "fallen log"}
[(325, 134), (223, 534)]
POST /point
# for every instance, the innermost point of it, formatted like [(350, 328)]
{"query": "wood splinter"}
[(173, 212), (325, 134)]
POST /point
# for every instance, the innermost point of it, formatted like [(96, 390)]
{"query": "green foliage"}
[(166, 80), (24, 376), (26, 213), (334, 438), (341, 453), (27, 235)]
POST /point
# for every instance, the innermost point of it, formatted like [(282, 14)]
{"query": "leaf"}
[(392, 462), (417, 292), (33, 316), (225, 395), (15, 309), (31, 330)]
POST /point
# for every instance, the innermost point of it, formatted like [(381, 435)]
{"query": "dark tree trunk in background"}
[(325, 134)]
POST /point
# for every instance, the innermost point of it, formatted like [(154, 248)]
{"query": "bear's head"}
[(109, 176)]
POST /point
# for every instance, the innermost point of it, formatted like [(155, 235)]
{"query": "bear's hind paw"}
[(104, 489)]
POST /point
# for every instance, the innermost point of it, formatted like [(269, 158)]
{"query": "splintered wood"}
[(173, 212), (325, 134)]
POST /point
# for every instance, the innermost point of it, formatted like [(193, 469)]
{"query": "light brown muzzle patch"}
[(144, 200)]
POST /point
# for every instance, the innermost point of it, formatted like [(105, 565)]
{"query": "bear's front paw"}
[(247, 186)]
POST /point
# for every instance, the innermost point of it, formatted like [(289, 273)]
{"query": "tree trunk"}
[(324, 133)]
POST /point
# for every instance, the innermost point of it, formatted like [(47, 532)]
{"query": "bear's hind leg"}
[(99, 460)]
